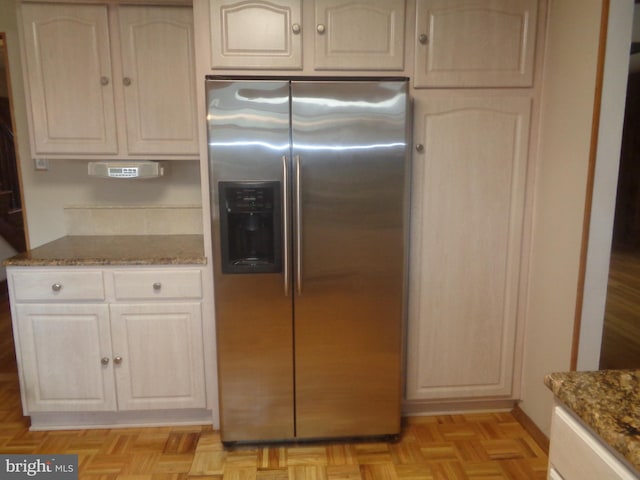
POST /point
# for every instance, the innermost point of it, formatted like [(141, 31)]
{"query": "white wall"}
[(66, 183), (566, 111)]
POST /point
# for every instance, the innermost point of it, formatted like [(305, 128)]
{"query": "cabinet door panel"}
[(68, 70), (467, 219), (162, 355), (61, 347), (357, 35), (158, 78), (475, 43), (256, 34)]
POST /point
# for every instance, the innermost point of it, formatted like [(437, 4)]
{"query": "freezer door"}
[(248, 135), (350, 199)]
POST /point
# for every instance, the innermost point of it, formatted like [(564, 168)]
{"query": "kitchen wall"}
[(47, 193), (564, 146)]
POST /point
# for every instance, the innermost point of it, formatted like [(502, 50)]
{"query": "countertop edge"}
[(115, 250), (603, 401)]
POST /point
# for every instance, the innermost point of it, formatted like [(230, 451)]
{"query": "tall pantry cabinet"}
[(473, 73)]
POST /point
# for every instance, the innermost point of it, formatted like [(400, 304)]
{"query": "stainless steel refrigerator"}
[(309, 200)]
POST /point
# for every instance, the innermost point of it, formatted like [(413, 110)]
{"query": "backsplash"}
[(133, 220)]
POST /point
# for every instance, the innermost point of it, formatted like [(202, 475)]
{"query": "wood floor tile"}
[(347, 471), (308, 472)]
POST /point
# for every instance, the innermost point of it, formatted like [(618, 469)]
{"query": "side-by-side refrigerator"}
[(309, 195)]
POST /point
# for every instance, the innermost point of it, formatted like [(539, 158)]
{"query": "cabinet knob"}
[(117, 360), (104, 80), (295, 28), (56, 287), (104, 360), (321, 28), (423, 38), (419, 148), (157, 286), (126, 81)]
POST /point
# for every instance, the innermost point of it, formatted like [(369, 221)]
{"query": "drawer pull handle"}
[(117, 360), (157, 286), (104, 360), (56, 287)]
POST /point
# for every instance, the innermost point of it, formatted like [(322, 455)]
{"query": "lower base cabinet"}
[(158, 361), (74, 355), (576, 453)]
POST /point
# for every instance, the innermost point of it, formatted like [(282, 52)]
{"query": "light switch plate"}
[(41, 163)]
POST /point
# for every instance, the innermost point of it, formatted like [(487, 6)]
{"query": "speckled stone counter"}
[(608, 401), (115, 250)]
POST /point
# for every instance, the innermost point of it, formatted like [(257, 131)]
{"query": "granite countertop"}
[(115, 250), (608, 401)]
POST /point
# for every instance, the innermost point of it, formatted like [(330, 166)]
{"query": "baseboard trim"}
[(416, 408), (531, 428)]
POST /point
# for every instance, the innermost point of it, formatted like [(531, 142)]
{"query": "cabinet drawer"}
[(577, 453), (160, 284), (58, 285)]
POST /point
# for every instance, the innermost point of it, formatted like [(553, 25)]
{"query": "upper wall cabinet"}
[(271, 35), (475, 43), (256, 35), (69, 79), (158, 78), (92, 96), (352, 35)]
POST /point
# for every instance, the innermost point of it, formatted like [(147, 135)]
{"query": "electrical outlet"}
[(41, 164)]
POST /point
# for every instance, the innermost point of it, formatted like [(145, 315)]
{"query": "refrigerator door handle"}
[(298, 172), (286, 222)]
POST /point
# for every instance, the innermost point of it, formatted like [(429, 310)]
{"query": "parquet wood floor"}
[(621, 332), (491, 446)]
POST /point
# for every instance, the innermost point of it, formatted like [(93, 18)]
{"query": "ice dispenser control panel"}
[(250, 227)]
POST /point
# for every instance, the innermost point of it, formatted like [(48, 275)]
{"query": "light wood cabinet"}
[(61, 350), (90, 96), (77, 353), (69, 79), (467, 218), (256, 35), (161, 362), (356, 35), (270, 35), (576, 452), (475, 43), (158, 75)]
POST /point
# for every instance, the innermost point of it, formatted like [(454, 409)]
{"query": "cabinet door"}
[(357, 35), (467, 218), (159, 79), (62, 348), (158, 351), (68, 72), (475, 43), (256, 35)]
